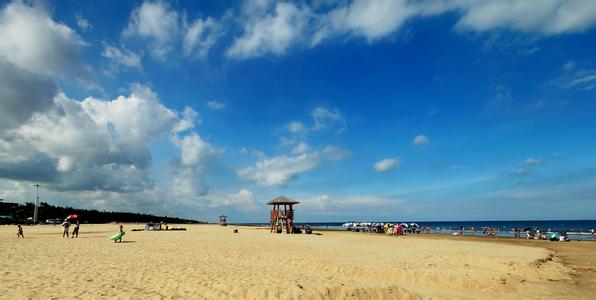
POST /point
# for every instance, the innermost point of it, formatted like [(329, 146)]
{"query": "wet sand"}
[(209, 261)]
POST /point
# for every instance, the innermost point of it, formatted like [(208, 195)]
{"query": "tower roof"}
[(282, 200)]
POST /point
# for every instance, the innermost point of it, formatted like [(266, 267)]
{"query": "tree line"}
[(23, 213)]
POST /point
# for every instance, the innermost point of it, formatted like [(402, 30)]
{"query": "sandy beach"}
[(212, 262)]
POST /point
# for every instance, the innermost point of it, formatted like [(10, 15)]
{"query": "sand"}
[(209, 261)]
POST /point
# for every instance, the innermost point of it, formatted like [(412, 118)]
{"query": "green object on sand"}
[(117, 236)]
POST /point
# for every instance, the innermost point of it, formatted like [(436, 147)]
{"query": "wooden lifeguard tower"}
[(223, 220), (282, 219)]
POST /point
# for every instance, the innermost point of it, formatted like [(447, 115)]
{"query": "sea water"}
[(576, 229)]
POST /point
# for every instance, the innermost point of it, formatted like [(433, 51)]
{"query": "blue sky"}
[(391, 110)]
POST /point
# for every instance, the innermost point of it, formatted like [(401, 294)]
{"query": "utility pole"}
[(36, 203)]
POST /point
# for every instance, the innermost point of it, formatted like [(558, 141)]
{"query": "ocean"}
[(576, 229)]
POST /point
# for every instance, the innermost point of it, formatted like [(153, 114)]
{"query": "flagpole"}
[(36, 203)]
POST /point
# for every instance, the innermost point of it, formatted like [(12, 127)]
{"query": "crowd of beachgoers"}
[(413, 228)]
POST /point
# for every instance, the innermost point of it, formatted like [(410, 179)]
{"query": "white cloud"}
[(576, 78), (200, 36), (335, 153), (528, 165), (156, 22), (543, 16), (35, 51), (274, 28), (271, 33), (82, 23), (122, 56), (302, 147), (420, 140), (369, 19), (32, 41), (584, 80), (325, 119), (296, 127), (22, 94), (194, 149), (91, 144), (279, 170), (243, 200), (387, 164), (569, 65), (215, 105), (533, 161)]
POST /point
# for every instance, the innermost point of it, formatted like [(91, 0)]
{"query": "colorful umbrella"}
[(72, 217)]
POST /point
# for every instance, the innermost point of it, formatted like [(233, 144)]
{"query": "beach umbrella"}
[(405, 225), (552, 235), (72, 216), (527, 229)]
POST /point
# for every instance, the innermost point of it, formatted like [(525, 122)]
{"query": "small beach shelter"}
[(282, 214), (223, 220)]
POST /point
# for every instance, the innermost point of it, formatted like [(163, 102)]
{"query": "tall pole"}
[(36, 203)]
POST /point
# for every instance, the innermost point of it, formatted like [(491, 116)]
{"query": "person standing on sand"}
[(20, 231), (65, 226), (121, 230), (75, 231)]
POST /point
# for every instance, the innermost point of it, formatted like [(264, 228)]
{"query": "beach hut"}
[(223, 220), (282, 214)]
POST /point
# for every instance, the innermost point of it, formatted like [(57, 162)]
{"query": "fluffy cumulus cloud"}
[(23, 93), (420, 140), (92, 144), (34, 51), (273, 32), (387, 164), (274, 28), (166, 29), (156, 22), (35, 43), (279, 170), (188, 171), (243, 200), (194, 150), (368, 19)]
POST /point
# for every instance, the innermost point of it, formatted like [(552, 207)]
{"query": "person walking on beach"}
[(20, 231), (75, 231), (65, 226)]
